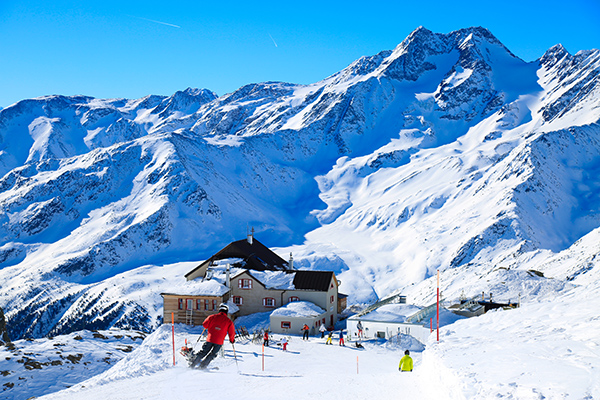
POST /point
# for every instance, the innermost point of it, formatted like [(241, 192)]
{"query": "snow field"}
[(543, 350), (34, 367), (308, 368), (547, 349)]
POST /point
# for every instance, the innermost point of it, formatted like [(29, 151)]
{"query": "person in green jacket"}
[(406, 363)]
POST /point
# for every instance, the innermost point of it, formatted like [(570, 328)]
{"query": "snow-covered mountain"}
[(448, 153)]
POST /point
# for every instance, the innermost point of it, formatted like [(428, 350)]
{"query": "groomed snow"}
[(308, 369), (544, 350)]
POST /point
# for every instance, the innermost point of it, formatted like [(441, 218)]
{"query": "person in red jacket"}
[(218, 326)]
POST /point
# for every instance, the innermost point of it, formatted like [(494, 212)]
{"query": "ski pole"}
[(199, 337), (235, 356)]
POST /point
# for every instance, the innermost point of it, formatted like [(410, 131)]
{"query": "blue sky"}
[(130, 49)]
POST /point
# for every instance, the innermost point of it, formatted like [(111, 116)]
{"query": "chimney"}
[(291, 263), (250, 236), (227, 277)]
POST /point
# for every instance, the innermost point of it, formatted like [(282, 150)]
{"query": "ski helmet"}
[(407, 352), (223, 308)]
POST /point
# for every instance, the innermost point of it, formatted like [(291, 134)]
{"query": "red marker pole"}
[(431, 325), (173, 331), (438, 306)]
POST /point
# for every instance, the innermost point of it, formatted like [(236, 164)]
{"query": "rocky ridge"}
[(448, 152)]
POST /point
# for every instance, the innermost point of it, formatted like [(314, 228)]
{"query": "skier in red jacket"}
[(218, 326)]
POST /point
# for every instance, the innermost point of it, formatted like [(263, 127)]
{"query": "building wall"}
[(252, 299), (375, 329), (323, 300), (296, 324), (326, 300), (342, 304), (195, 316)]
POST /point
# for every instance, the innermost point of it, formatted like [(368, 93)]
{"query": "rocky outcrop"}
[(93, 188), (4, 339)]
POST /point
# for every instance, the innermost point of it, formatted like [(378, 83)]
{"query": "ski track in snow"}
[(307, 369)]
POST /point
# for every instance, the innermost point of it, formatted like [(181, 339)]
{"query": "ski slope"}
[(307, 369), (547, 349)]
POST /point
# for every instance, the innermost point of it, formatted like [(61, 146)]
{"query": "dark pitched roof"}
[(255, 256), (313, 280)]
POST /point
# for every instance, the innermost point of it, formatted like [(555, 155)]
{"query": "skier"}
[(329, 338), (266, 338), (284, 343), (218, 326), (406, 363), (360, 329), (322, 329), (305, 330), (342, 337)]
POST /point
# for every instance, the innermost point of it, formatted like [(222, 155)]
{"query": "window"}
[(269, 302), (207, 305), (214, 305), (198, 304), (245, 283), (286, 325), (331, 300), (189, 304), (238, 300), (294, 298), (180, 304)]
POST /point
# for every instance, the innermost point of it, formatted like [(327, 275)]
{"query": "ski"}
[(207, 369)]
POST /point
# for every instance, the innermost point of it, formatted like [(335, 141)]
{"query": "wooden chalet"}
[(252, 279), (193, 308)]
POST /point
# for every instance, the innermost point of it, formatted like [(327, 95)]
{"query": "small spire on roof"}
[(250, 236)]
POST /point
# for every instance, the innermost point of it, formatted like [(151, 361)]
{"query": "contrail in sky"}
[(158, 22), (273, 40)]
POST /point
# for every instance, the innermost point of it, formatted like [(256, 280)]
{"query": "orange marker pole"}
[(173, 331), (263, 357), (438, 306)]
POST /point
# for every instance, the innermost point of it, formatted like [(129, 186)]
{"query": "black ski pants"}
[(208, 352)]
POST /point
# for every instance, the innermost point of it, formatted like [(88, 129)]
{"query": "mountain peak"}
[(422, 34), (476, 31), (554, 54), (419, 37), (393, 150)]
